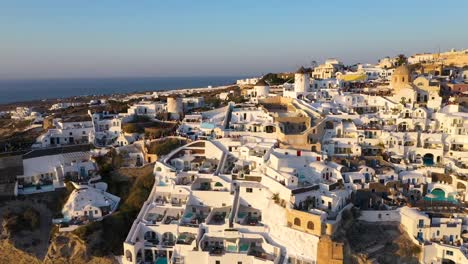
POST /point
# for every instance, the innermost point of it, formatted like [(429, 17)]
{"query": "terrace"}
[(195, 215), (185, 238), (202, 185), (172, 216), (155, 215), (151, 238), (249, 216), (219, 216), (251, 247)]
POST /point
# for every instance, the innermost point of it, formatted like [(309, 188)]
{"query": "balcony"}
[(259, 252)]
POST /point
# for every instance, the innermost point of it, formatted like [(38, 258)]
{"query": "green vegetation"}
[(116, 106), (159, 130), (107, 164), (213, 101), (401, 59), (238, 99), (273, 79), (161, 148), (140, 119), (142, 124)]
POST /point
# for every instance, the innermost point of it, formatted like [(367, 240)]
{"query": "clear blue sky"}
[(108, 38)]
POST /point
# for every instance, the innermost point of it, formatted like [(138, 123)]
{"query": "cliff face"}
[(68, 248)]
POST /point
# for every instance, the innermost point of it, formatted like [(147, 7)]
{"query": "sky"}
[(108, 38)]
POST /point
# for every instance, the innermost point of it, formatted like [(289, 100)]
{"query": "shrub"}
[(164, 148)]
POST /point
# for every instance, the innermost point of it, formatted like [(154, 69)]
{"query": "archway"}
[(438, 194), (418, 127), (297, 221), (139, 256), (149, 255), (128, 255), (402, 127), (151, 236), (428, 159), (168, 239), (329, 125), (270, 129)]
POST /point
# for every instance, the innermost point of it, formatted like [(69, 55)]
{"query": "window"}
[(421, 223), (297, 221), (249, 190), (449, 253), (310, 225), (218, 262)]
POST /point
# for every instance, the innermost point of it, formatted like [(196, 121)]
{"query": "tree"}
[(401, 59), (403, 101)]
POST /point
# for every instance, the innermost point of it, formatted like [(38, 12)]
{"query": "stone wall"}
[(329, 252)]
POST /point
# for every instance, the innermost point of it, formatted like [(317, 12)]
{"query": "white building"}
[(107, 127), (43, 173), (67, 131), (86, 204), (145, 108)]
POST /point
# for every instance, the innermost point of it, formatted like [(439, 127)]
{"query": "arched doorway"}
[(329, 125), (151, 236), (149, 257), (428, 159), (128, 255), (402, 127), (168, 239), (270, 129), (139, 256)]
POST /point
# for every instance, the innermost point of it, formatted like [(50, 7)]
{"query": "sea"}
[(27, 90)]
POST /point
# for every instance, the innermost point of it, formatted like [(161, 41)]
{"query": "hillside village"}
[(281, 168)]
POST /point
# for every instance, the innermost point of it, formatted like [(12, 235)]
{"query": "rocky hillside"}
[(10, 254), (68, 248)]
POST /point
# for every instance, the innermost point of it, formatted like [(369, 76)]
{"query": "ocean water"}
[(27, 90)]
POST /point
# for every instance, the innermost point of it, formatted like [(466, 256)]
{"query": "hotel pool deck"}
[(440, 197), (161, 261), (34, 189)]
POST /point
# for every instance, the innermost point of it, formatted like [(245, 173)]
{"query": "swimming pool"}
[(161, 183), (440, 197), (232, 248), (188, 215), (161, 261), (244, 247), (34, 189)]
